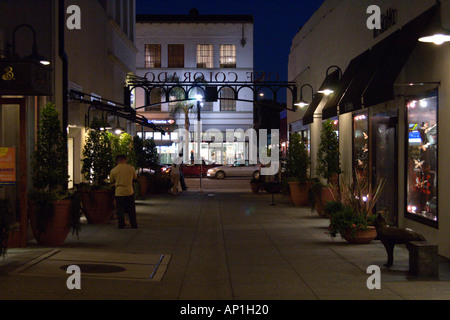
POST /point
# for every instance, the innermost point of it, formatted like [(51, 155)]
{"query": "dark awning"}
[(352, 99), (333, 77), (330, 109), (381, 87), (308, 118), (114, 108)]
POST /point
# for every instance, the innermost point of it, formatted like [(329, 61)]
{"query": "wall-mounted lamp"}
[(331, 81), (435, 33), (302, 103), (34, 53)]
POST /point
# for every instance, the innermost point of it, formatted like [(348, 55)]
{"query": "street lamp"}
[(199, 99), (34, 53), (331, 80), (302, 103)]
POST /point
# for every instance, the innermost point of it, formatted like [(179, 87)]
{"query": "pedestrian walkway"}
[(214, 246)]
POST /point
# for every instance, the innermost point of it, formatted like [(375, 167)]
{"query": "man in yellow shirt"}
[(122, 176)]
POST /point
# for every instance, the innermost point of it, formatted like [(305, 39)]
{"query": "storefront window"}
[(335, 125), (361, 145), (422, 157)]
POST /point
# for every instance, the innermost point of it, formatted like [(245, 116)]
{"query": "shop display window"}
[(361, 145), (421, 175)]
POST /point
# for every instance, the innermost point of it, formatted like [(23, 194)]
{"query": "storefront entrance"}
[(14, 167), (385, 163)]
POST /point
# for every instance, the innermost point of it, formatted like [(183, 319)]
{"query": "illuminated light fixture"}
[(331, 81), (423, 103), (302, 103), (198, 97), (326, 92), (435, 33), (118, 129)]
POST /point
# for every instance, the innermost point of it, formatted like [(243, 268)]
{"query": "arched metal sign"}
[(210, 86)]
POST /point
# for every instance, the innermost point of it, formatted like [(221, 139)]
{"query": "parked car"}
[(192, 170), (238, 169), (166, 169)]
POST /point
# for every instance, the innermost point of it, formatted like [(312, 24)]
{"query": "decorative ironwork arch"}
[(168, 85)]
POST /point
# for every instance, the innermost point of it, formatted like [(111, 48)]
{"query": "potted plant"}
[(328, 167), (315, 195), (159, 183), (97, 195), (53, 211), (297, 163), (139, 152), (354, 222), (146, 158), (255, 185), (331, 208)]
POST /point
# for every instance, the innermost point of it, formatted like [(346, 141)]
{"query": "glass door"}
[(385, 164)]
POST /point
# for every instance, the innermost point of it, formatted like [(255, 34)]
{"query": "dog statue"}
[(390, 236)]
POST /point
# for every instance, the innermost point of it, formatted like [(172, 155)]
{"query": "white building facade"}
[(218, 49)]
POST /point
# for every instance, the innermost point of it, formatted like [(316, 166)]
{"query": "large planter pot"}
[(143, 184), (360, 236), (255, 187), (299, 193), (98, 205), (326, 196), (58, 228)]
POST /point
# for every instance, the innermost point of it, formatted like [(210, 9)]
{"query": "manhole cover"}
[(96, 268)]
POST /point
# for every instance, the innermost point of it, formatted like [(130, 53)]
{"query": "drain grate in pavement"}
[(98, 264), (96, 268)]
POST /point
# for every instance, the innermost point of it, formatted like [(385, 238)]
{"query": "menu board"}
[(7, 166)]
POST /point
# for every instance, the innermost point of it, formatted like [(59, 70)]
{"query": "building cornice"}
[(124, 37)]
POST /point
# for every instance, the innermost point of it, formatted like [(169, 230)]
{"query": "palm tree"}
[(183, 108)]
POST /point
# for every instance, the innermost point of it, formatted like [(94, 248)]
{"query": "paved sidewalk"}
[(214, 246)]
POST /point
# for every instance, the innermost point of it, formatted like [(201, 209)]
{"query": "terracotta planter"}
[(290, 201), (143, 184), (14, 239), (299, 193), (98, 205), (360, 236), (255, 187), (58, 229), (326, 196)]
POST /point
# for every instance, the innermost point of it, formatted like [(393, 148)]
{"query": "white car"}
[(235, 170)]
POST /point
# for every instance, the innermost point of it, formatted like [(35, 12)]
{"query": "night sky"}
[(276, 23)]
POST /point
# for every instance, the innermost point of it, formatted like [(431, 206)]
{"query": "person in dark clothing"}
[(182, 181)]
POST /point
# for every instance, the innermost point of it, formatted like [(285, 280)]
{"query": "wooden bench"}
[(423, 259)]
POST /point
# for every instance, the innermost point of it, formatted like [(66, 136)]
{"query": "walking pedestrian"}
[(175, 174), (182, 181), (122, 175)]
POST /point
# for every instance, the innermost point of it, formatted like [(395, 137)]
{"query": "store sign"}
[(212, 77), (162, 122), (7, 166), (385, 21), (21, 77)]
